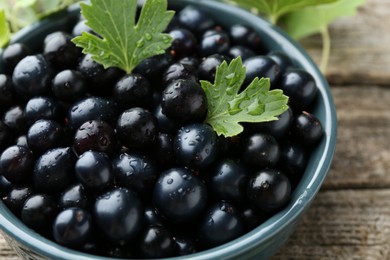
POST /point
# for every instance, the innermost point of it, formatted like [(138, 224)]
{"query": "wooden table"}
[(350, 217)]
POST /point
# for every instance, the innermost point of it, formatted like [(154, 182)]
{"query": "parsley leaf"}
[(316, 19), (276, 8), (227, 106), (5, 33), (122, 43)]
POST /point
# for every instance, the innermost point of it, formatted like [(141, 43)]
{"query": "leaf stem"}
[(326, 47)]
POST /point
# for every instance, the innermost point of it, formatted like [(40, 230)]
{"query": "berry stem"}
[(326, 47)]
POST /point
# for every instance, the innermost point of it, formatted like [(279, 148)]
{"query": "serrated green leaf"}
[(227, 107), (276, 8), (123, 43), (5, 33), (315, 19)]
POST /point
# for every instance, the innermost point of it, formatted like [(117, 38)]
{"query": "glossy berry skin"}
[(99, 79), (39, 211), (268, 190), (293, 160), (282, 59), (184, 245), (207, 68), (119, 215), (153, 69), (16, 164), (133, 90), (94, 171), (184, 43), (137, 128), (69, 86), (260, 151), (195, 20), (261, 67), (135, 172), (228, 181), (92, 108), (41, 108), (72, 227), (54, 170), (74, 196), (16, 197), (184, 101), (307, 129), (165, 124), (278, 128), (32, 76), (44, 135), (155, 242), (214, 42), (81, 27), (60, 51), (246, 36), (95, 135), (179, 195), (196, 145), (178, 71), (240, 51), (14, 119), (12, 54), (191, 61), (220, 223), (7, 94), (301, 88)]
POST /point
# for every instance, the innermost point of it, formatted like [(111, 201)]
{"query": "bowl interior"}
[(264, 240)]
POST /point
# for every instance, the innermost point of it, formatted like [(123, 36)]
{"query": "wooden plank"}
[(362, 158), (360, 46), (347, 224)]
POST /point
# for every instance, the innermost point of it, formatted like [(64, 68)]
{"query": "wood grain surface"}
[(350, 217)]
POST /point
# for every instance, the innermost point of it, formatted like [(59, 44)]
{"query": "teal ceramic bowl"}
[(260, 243)]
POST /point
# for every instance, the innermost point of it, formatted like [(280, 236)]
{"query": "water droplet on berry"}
[(170, 181)]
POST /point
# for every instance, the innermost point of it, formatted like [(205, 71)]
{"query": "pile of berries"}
[(124, 165)]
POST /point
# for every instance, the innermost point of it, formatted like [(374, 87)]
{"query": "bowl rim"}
[(302, 196)]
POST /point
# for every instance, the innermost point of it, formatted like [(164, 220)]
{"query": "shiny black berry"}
[(60, 51), (195, 20), (137, 128), (301, 88), (94, 171), (119, 215), (16, 198), (133, 90), (14, 53), (7, 93), (184, 43), (196, 146), (179, 71), (220, 223), (214, 42), (268, 190), (74, 196), (69, 86), (54, 170), (44, 135), (135, 172), (42, 108), (155, 242), (95, 135), (32, 76), (38, 213), (184, 101), (208, 66), (16, 164), (179, 195), (261, 67), (72, 227), (307, 129)]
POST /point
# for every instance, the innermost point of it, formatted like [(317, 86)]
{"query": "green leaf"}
[(227, 106), (5, 33), (316, 19), (122, 43), (276, 8)]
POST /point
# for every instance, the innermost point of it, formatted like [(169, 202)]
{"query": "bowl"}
[(263, 241)]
